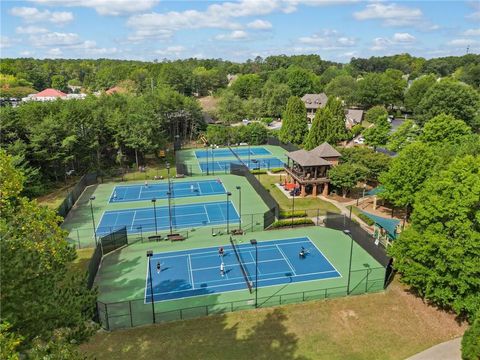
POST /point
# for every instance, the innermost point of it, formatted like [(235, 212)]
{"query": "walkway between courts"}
[(448, 350)]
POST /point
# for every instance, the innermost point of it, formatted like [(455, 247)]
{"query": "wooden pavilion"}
[(308, 169)]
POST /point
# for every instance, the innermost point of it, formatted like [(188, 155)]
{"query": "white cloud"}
[(151, 34), (234, 35), (217, 15), (31, 15), (259, 25), (54, 53), (462, 42), (380, 43), (105, 7), (26, 53), (30, 29), (5, 42), (390, 14), (403, 38), (472, 32), (176, 50), (55, 39), (328, 40)]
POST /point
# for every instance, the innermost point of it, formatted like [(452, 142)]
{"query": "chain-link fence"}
[(74, 194), (127, 314)]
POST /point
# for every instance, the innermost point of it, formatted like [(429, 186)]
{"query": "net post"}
[(78, 239), (106, 317), (130, 310)]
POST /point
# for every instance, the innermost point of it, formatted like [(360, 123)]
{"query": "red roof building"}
[(49, 94)]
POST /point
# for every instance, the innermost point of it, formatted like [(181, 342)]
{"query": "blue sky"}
[(237, 30)]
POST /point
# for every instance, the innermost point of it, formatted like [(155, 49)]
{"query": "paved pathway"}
[(448, 350)]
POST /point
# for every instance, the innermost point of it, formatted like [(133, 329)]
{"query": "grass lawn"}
[(268, 181), (389, 325), (83, 259), (56, 197)]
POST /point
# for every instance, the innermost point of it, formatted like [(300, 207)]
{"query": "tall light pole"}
[(155, 214), (149, 256), (293, 203), (213, 159), (207, 160), (348, 233), (169, 194), (228, 215), (93, 218), (254, 243), (239, 188), (249, 155), (168, 176)]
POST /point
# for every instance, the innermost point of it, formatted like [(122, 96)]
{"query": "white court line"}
[(133, 220), (214, 250), (288, 262), (206, 213), (246, 263), (190, 271), (243, 282)]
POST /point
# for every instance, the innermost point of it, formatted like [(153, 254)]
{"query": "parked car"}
[(360, 140)]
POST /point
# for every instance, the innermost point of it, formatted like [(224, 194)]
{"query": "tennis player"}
[(222, 269), (221, 251), (158, 267)]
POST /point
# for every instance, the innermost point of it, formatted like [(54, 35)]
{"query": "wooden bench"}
[(155, 237), (175, 237)]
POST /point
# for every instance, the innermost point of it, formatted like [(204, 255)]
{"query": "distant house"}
[(353, 117), (52, 95), (313, 102), (116, 90), (46, 95)]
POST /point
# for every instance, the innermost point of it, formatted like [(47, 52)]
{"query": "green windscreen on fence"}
[(114, 240)]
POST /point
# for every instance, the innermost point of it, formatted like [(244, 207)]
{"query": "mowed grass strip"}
[(389, 325), (307, 203)]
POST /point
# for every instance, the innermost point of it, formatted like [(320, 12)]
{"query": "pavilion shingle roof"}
[(307, 158), (326, 150)]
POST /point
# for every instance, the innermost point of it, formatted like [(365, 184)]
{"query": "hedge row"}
[(296, 213), (295, 222)]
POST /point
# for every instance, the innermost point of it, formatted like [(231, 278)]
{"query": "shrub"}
[(258, 172), (296, 213), (277, 170), (471, 342), (288, 222), (267, 121), (366, 219)]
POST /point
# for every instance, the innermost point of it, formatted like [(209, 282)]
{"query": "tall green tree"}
[(407, 174), (343, 87), (346, 176), (471, 341), (406, 133), (372, 114), (275, 97), (451, 98), (439, 254), (59, 82), (40, 292), (302, 81), (417, 90), (444, 128), (318, 133), (375, 163), (249, 85), (230, 108), (378, 134), (294, 124)]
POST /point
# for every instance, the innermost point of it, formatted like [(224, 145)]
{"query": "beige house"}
[(353, 117), (313, 102)]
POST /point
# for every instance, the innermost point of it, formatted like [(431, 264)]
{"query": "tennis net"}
[(236, 155), (242, 268)]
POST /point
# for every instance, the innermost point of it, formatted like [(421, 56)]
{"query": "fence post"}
[(325, 296), (206, 310), (318, 216), (130, 309), (106, 317), (231, 306), (181, 314), (78, 238)]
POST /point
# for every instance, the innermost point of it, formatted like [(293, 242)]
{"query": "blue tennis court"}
[(224, 165), (125, 193), (225, 152), (196, 272), (183, 216)]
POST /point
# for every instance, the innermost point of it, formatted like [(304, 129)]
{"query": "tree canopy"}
[(294, 125)]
